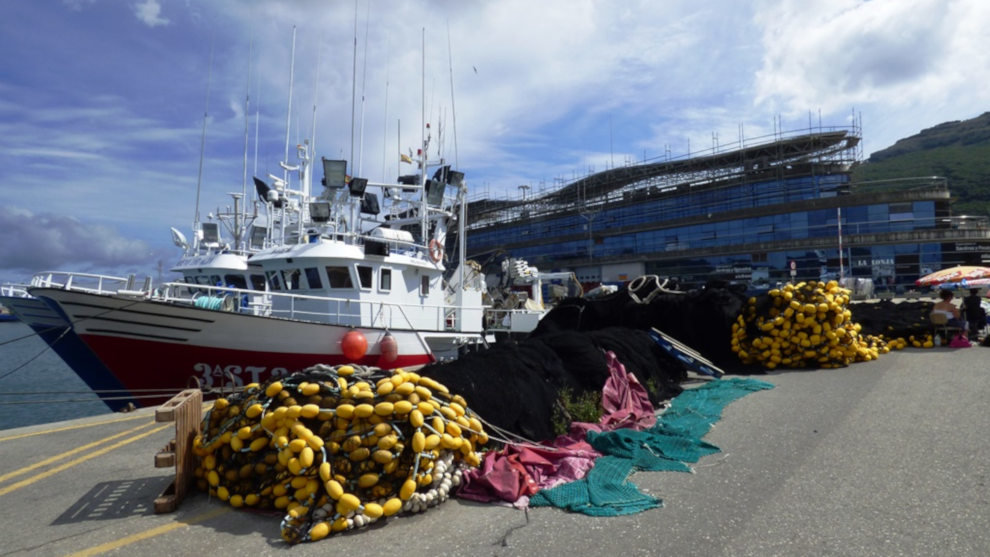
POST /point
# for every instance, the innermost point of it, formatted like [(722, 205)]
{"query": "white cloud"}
[(36, 241), (840, 53), (51, 153), (919, 60), (149, 12)]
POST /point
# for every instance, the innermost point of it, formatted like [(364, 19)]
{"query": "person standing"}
[(976, 316)]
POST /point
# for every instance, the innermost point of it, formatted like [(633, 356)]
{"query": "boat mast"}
[(461, 231), (257, 119), (385, 119), (453, 108), (353, 85), (423, 207), (351, 217), (238, 232), (288, 124), (307, 190), (462, 188), (288, 112), (364, 81), (202, 148)]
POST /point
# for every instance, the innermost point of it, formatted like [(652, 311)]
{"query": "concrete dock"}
[(882, 458)]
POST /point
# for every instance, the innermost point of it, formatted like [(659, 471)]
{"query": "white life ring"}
[(436, 251)]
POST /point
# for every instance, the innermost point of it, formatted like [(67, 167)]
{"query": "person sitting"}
[(946, 307), (976, 316)]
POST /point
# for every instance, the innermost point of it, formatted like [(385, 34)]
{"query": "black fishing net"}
[(701, 319), (516, 385), (893, 320)]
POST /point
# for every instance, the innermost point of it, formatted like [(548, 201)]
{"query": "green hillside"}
[(958, 151)]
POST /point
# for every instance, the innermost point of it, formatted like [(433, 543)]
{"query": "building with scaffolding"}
[(762, 211)]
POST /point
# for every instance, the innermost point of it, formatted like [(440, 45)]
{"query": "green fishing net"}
[(674, 441)]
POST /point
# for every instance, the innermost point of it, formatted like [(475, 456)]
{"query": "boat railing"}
[(364, 313), (13, 290), (84, 282), (512, 320)]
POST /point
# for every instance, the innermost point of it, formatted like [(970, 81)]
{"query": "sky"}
[(104, 103)]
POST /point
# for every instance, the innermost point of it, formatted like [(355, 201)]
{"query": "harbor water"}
[(36, 386)]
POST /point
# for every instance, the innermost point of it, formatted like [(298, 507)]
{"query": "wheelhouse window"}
[(385, 280), (235, 281), (274, 280), (258, 282), (365, 276), (424, 286), (339, 277), (292, 277), (313, 278)]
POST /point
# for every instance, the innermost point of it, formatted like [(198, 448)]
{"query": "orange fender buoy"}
[(353, 345), (389, 348)]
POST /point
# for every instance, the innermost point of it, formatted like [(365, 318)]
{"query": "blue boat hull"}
[(53, 327)]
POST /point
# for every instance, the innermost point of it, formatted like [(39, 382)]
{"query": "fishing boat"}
[(53, 327), (8, 294), (207, 259), (355, 274)]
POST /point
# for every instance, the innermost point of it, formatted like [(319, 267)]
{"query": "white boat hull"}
[(150, 344)]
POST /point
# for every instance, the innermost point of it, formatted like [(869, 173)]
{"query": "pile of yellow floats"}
[(337, 448), (807, 324)]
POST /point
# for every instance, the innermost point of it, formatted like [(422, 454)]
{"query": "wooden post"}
[(186, 410)]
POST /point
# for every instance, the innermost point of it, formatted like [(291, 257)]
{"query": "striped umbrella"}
[(974, 283), (959, 274)]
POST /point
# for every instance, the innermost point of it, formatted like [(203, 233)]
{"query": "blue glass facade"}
[(820, 223), (744, 229), (652, 211)]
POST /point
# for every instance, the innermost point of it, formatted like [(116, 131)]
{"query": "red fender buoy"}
[(353, 345), (389, 348)]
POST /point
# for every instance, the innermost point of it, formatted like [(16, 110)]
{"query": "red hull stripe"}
[(143, 364)]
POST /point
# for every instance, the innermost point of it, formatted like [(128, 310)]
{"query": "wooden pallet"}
[(186, 410)]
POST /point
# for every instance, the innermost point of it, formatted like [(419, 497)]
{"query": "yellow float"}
[(806, 325), (335, 453)]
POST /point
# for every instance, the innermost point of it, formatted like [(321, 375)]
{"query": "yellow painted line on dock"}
[(77, 426), (80, 460), (133, 538), (71, 452)]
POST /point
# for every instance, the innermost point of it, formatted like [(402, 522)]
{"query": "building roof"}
[(802, 147)]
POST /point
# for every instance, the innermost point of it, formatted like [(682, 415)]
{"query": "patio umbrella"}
[(954, 274), (974, 283)]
